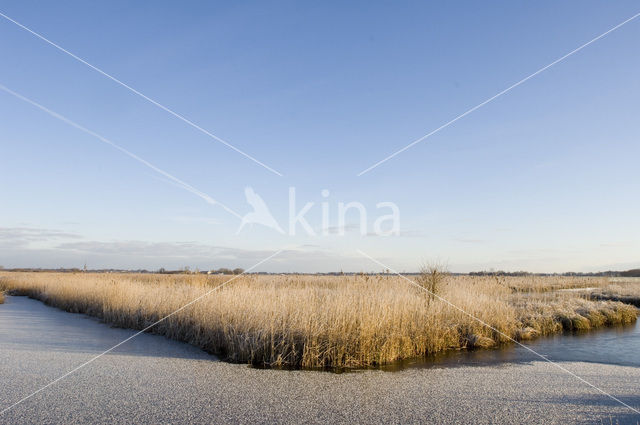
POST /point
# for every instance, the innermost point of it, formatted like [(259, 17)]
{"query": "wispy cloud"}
[(145, 249), (334, 230), (403, 234), (464, 240), (49, 248), (616, 245), (193, 219), (19, 237)]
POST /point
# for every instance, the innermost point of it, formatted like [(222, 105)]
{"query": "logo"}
[(384, 225), (260, 213)]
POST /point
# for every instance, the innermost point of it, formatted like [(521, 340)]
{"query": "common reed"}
[(326, 321), (625, 289)]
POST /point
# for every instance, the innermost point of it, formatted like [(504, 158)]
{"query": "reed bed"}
[(306, 321), (624, 289)]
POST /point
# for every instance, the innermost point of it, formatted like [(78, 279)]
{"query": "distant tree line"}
[(237, 271), (224, 270), (609, 273), (187, 270), (500, 273)]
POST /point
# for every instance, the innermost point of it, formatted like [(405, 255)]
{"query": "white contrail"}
[(415, 142), (174, 179), (148, 99)]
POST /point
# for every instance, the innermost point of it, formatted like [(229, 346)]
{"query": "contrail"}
[(208, 199), (478, 106), (148, 99)]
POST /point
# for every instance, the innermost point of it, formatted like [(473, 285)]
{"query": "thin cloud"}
[(402, 234), (192, 219), (616, 245), (475, 241), (333, 230), (17, 237), (145, 249)]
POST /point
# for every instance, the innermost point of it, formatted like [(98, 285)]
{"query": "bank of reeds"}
[(626, 290), (324, 321)]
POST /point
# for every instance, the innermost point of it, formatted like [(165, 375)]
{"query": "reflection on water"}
[(619, 345)]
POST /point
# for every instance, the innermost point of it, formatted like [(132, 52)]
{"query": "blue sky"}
[(543, 178)]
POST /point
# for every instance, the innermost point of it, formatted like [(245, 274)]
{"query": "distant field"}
[(335, 321)]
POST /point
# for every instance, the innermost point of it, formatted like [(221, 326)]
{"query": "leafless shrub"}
[(432, 278)]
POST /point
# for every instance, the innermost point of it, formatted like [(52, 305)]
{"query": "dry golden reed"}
[(327, 321)]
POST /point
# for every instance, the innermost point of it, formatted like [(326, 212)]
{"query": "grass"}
[(625, 289), (327, 321)]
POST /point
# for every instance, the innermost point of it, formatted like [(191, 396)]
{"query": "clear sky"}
[(544, 178)]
